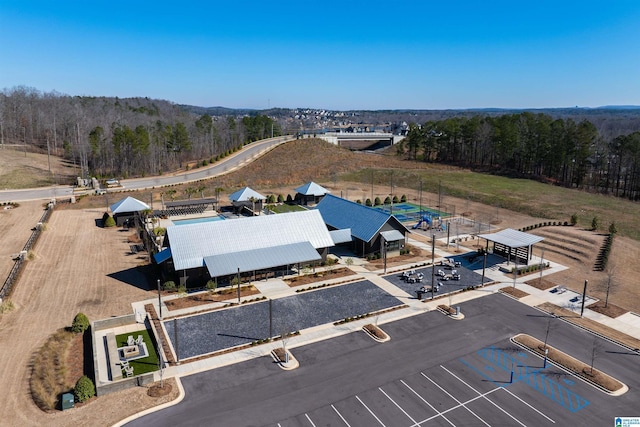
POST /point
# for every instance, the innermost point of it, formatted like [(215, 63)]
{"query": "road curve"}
[(237, 160)]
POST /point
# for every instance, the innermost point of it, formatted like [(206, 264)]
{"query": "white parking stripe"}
[(427, 403), (480, 394), (341, 417), (306, 415), (459, 403), (370, 411), (539, 412), (398, 406)]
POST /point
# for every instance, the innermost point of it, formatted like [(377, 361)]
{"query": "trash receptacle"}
[(67, 401), (419, 294)]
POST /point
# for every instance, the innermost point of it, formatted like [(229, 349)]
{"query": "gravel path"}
[(217, 330)]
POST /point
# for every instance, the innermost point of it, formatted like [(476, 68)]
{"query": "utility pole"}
[(584, 297), (433, 266)]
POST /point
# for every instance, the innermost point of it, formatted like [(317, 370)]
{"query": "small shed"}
[(247, 199), (310, 193), (512, 244), (126, 208)]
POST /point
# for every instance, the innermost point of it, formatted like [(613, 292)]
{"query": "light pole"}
[(433, 266), (159, 300)]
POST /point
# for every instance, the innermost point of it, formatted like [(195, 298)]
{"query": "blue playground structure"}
[(429, 221)]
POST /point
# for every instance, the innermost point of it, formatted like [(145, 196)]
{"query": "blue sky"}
[(328, 54)]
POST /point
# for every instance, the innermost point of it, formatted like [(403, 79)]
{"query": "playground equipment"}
[(430, 221), (425, 219)]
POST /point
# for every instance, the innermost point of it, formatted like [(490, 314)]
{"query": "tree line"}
[(110, 136), (560, 151)]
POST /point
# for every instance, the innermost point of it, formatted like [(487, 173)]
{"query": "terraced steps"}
[(575, 244)]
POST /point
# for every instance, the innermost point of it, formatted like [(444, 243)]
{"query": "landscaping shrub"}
[(377, 201), (574, 219), (403, 199), (84, 389), (169, 285), (109, 222), (80, 323), (595, 223)]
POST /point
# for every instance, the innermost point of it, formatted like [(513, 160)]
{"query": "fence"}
[(12, 278)]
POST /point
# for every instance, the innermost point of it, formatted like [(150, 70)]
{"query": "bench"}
[(114, 358)]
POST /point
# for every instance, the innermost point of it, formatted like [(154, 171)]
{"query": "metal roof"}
[(162, 256), (258, 259), (392, 235), (363, 221), (192, 242), (128, 204), (512, 238), (341, 236), (245, 194), (311, 189)]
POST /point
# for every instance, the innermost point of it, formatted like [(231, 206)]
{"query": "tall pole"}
[(238, 285), (383, 242), (584, 297), (270, 318), (433, 262), (159, 300), (420, 199), (484, 266), (541, 267)]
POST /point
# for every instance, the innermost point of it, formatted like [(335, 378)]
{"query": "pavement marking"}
[(340, 415), (370, 411), (484, 395), (460, 404), (398, 406), (530, 406), (309, 419), (438, 413)]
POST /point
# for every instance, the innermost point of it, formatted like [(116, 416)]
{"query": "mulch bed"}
[(318, 277), (579, 368), (447, 309), (543, 284), (375, 331), (158, 391), (610, 310), (207, 298), (514, 292)]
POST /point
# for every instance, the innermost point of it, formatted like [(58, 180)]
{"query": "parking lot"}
[(433, 371)]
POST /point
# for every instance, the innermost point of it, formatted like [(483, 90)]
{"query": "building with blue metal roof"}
[(370, 228)]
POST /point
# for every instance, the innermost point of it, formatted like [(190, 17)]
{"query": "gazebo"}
[(126, 208), (310, 193), (512, 244)]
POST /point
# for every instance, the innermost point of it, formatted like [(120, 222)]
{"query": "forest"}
[(122, 137), (537, 146), (592, 149)]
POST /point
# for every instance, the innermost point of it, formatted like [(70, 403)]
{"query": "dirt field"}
[(78, 267)]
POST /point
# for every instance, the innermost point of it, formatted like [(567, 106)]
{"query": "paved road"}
[(248, 153), (434, 371)]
